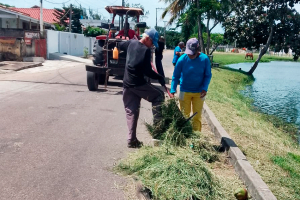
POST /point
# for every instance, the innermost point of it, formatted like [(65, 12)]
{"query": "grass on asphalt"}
[(180, 170), (269, 143)]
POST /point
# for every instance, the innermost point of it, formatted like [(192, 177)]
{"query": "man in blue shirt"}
[(194, 73), (177, 51)]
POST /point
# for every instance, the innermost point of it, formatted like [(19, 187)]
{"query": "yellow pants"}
[(188, 100)]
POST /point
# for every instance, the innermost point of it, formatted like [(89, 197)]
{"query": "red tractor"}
[(105, 63)]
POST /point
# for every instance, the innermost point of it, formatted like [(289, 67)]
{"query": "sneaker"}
[(135, 144)]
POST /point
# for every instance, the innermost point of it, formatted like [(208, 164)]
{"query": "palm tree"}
[(177, 7), (215, 10)]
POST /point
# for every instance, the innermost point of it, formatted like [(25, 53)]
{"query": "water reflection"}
[(276, 89)]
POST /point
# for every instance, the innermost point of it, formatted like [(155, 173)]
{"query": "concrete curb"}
[(17, 66), (29, 66), (59, 56), (256, 186)]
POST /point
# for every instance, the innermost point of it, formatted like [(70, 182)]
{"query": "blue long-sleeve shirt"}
[(194, 74), (175, 58)]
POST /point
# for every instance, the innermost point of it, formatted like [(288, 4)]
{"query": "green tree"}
[(160, 30), (76, 24), (93, 31), (62, 18), (94, 15), (288, 35), (216, 11), (260, 22), (59, 27), (138, 5), (172, 39), (6, 5), (188, 23), (192, 12)]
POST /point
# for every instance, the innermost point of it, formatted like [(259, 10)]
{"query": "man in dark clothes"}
[(159, 56), (138, 65)]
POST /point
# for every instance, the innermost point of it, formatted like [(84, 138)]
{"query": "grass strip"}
[(291, 164), (261, 137)]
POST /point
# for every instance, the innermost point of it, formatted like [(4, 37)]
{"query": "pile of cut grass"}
[(173, 128), (179, 168), (173, 173)]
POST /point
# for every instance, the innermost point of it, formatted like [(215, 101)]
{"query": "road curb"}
[(29, 66), (256, 186), (59, 56)]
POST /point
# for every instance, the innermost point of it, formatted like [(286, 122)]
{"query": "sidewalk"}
[(8, 66)]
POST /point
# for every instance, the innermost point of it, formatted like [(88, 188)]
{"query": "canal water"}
[(276, 89)]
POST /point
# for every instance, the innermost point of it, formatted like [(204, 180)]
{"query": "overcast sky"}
[(98, 6)]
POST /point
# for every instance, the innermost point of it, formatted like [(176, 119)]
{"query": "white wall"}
[(68, 43), (11, 23), (52, 42)]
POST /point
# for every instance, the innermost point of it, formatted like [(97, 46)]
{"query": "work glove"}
[(161, 80)]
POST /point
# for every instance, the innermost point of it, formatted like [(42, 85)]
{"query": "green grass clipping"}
[(176, 170)]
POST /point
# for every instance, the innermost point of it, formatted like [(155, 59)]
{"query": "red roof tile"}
[(48, 14), (12, 9)]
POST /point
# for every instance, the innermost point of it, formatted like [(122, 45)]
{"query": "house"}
[(99, 23), (25, 18), (20, 34)]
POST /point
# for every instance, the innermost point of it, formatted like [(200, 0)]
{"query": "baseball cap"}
[(191, 46), (153, 34)]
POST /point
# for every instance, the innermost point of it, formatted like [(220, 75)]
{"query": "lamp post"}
[(41, 19), (156, 17), (165, 34)]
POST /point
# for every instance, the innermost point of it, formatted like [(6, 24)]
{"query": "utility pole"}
[(156, 17), (122, 19), (41, 18), (165, 34), (70, 19)]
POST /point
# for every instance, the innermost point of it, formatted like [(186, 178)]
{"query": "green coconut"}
[(241, 194)]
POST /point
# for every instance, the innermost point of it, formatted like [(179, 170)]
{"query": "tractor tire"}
[(92, 81), (97, 52)]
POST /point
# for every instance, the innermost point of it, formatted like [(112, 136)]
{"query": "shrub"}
[(94, 31)]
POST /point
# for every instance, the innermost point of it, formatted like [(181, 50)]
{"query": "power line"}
[(57, 3), (64, 14), (86, 3)]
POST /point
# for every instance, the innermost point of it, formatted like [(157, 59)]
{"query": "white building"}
[(98, 23)]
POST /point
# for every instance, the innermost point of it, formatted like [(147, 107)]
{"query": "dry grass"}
[(222, 168)]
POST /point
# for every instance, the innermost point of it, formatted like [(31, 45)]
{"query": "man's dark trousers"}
[(132, 100), (159, 66)]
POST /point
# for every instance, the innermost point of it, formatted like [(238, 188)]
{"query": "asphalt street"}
[(60, 141)]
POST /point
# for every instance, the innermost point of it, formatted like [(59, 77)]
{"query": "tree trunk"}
[(262, 52), (214, 49), (200, 38), (208, 33)]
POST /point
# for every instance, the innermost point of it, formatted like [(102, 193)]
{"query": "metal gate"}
[(40, 48)]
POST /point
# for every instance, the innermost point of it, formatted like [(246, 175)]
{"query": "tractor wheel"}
[(92, 81), (97, 52)]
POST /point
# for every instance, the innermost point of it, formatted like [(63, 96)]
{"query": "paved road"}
[(57, 139)]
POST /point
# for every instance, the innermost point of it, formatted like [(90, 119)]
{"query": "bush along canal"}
[(261, 114)]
